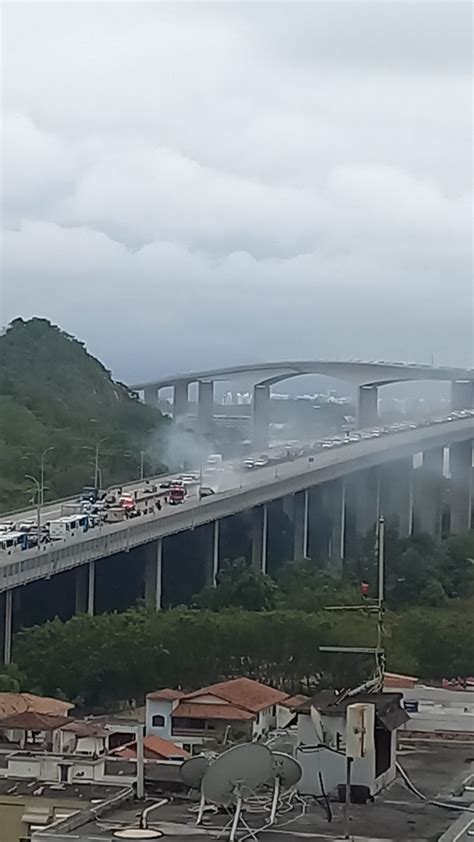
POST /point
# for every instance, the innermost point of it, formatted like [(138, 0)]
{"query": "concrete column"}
[(150, 395), (260, 416), (205, 407), (154, 574), (91, 589), (397, 494), (460, 465), (367, 407), (428, 506), (215, 551), (180, 399), (300, 542), (8, 627), (337, 544), (82, 588), (462, 394), (367, 499), (259, 538)]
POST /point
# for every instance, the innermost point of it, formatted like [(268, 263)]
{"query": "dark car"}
[(167, 484), (205, 491)]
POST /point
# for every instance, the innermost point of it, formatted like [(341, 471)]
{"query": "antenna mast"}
[(374, 684)]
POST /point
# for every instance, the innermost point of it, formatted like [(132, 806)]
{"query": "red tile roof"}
[(30, 721), (153, 748), (197, 710), (166, 695), (294, 701), (13, 703), (244, 693)]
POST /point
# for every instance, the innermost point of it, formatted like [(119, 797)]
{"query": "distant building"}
[(242, 707)]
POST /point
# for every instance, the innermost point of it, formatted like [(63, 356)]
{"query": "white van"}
[(68, 525), (13, 541)]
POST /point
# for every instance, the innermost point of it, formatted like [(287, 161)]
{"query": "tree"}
[(239, 585)]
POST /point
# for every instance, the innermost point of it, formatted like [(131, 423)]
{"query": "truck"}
[(214, 461), (115, 514), (177, 494)]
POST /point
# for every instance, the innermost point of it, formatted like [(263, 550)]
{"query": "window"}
[(158, 721)]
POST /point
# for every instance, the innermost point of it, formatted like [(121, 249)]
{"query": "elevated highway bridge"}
[(365, 377), (379, 471)]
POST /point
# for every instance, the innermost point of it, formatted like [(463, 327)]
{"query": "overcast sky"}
[(189, 184)]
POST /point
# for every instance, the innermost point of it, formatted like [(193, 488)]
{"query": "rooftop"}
[(14, 703), (194, 710), (153, 747), (242, 692), (395, 816)]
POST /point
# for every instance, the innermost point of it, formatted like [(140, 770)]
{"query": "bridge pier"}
[(7, 625), (211, 563), (259, 538), (460, 465), (367, 407), (367, 499), (150, 395), (205, 407), (154, 574), (300, 523), (428, 502), (337, 544), (397, 494), (462, 394), (180, 399), (260, 416), (85, 589)]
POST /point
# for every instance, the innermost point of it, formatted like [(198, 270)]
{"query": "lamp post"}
[(43, 457), (38, 505), (96, 461)]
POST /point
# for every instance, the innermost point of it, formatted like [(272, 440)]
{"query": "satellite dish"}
[(287, 772), (237, 771), (193, 770), (236, 774), (287, 769)]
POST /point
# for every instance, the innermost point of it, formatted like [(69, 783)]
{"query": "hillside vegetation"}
[(53, 393)]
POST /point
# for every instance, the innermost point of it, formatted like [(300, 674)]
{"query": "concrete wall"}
[(332, 765), (162, 708)]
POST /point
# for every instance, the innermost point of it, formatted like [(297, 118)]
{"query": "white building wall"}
[(332, 765), (158, 707)]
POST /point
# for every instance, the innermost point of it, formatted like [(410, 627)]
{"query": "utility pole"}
[(376, 606), (38, 506), (43, 457)]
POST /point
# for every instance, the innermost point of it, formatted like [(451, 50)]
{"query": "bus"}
[(68, 525), (13, 541)]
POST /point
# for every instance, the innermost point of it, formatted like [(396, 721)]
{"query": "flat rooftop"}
[(396, 814)]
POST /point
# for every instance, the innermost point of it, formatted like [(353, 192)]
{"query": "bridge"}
[(363, 478), (366, 377)]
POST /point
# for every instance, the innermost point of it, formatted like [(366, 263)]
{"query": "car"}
[(188, 479), (205, 491), (167, 484), (248, 463)]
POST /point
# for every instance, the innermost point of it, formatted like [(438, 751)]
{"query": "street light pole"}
[(96, 463), (38, 505), (43, 457)]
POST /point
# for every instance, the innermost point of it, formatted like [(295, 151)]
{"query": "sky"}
[(190, 184)]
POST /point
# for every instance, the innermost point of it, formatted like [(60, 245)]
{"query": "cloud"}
[(195, 183)]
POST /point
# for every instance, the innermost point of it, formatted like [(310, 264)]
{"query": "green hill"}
[(53, 393)]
